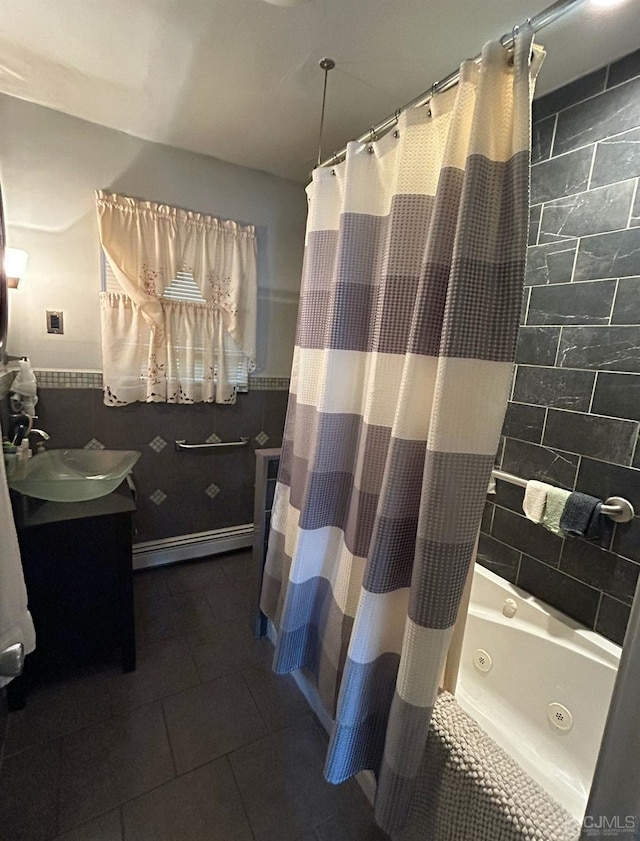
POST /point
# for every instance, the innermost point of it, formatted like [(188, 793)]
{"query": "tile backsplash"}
[(177, 492), (575, 406)]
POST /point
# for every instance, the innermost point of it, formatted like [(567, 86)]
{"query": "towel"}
[(556, 501), (600, 527), (535, 500), (577, 514), (469, 789), (25, 388), (15, 619)]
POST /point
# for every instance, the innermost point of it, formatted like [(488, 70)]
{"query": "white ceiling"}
[(239, 79)]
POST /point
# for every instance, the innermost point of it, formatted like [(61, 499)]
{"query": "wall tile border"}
[(92, 379)]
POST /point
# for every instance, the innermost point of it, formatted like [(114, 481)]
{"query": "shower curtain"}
[(410, 302)]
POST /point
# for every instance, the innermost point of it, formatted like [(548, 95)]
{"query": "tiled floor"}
[(201, 743)]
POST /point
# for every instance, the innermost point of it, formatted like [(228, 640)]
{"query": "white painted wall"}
[(50, 165)]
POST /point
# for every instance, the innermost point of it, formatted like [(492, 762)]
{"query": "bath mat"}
[(469, 789)]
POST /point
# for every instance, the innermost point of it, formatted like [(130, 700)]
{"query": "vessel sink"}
[(72, 475)]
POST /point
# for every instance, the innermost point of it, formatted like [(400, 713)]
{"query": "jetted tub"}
[(539, 684)]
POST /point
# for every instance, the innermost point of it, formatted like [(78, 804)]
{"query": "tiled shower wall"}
[(575, 406), (177, 492)]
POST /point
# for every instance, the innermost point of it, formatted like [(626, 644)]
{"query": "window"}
[(178, 303)]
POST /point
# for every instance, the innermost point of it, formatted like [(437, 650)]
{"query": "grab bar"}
[(619, 509), (182, 445)]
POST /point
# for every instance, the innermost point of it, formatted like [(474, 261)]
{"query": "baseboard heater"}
[(184, 547)]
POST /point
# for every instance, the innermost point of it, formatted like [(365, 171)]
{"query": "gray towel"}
[(577, 513), (582, 517), (600, 527), (469, 789)]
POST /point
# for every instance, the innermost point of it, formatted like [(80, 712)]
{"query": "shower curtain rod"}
[(547, 16)]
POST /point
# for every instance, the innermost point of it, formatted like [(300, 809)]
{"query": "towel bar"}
[(619, 509), (182, 444)]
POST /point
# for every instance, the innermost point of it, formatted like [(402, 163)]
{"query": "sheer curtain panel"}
[(410, 302), (159, 349)]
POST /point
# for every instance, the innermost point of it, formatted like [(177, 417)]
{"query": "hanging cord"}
[(326, 64)]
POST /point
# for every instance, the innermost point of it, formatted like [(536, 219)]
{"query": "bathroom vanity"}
[(77, 566)]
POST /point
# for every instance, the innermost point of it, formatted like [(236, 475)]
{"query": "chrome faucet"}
[(39, 447)]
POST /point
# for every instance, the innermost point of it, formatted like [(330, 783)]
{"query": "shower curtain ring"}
[(434, 88), (396, 114)]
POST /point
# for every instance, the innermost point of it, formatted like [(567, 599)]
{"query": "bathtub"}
[(539, 684)]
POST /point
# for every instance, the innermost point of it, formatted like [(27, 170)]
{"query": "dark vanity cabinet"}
[(76, 558)]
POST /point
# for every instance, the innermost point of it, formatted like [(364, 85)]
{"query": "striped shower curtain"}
[(410, 302)]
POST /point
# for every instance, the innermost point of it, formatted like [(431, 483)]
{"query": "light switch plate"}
[(55, 321)]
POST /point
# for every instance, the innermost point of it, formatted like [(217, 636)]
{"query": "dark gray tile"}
[(171, 616), (277, 696), (561, 176), (66, 414), (163, 668), (577, 600), (487, 517), (569, 94), (107, 827), (535, 213), (626, 540), (613, 618), (109, 763), (627, 306), (533, 461), (209, 720), (232, 600), (149, 583), (601, 348), (608, 113), (603, 570), (238, 566), (604, 480), (571, 303), (501, 559), (624, 69), (351, 823), (520, 533), (203, 805), (524, 422), (508, 496), (193, 575), (57, 708), (226, 647), (282, 785), (551, 262), (561, 388), (617, 158), (617, 395), (541, 139), (609, 255), (242, 419), (593, 212), (537, 345), (609, 439), (29, 794)]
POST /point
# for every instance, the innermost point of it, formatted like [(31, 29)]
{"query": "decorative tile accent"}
[(68, 379), (213, 439), (94, 444), (269, 383), (158, 497), (87, 379), (212, 491), (262, 438), (158, 444)]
